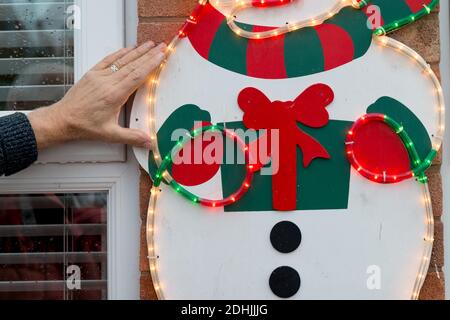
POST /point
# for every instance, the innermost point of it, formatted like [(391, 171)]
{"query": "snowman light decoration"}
[(350, 119)]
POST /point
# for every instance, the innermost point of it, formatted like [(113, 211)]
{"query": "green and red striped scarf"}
[(339, 40)]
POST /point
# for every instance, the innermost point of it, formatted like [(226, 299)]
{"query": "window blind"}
[(36, 53), (45, 237)]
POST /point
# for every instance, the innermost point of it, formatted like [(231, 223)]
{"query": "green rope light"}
[(407, 20), (168, 161), (419, 166)]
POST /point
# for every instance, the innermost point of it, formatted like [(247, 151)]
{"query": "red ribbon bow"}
[(309, 109)]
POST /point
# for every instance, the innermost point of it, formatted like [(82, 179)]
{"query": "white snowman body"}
[(374, 249)]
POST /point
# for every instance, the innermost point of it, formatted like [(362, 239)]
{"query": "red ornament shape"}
[(190, 173), (379, 149)]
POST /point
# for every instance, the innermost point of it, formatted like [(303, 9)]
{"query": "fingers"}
[(109, 60), (134, 74), (134, 54), (133, 137), (124, 56)]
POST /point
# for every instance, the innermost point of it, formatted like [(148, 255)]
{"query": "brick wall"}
[(160, 20)]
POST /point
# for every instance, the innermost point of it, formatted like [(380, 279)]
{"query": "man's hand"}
[(90, 110)]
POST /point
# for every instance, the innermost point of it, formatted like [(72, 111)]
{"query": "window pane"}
[(53, 246), (36, 52)]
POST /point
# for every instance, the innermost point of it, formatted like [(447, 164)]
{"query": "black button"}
[(285, 282), (286, 237)]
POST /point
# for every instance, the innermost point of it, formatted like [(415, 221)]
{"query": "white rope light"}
[(289, 27)]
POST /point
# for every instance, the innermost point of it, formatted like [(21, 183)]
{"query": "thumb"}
[(133, 137)]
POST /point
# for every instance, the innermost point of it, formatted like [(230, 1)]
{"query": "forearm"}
[(49, 127), (18, 147), (21, 137)]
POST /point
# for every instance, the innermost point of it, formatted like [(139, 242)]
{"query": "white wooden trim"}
[(131, 22), (102, 32), (445, 73)]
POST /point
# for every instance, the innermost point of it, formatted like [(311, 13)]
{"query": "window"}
[(36, 53), (100, 201), (53, 246), (45, 46)]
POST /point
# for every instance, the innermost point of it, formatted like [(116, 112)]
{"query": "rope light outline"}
[(289, 27), (420, 166), (168, 160)]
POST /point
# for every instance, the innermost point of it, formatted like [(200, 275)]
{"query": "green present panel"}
[(323, 185)]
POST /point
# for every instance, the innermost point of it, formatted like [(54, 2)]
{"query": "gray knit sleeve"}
[(18, 147)]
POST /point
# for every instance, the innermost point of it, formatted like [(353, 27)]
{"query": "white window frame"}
[(444, 18), (102, 31), (123, 222)]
